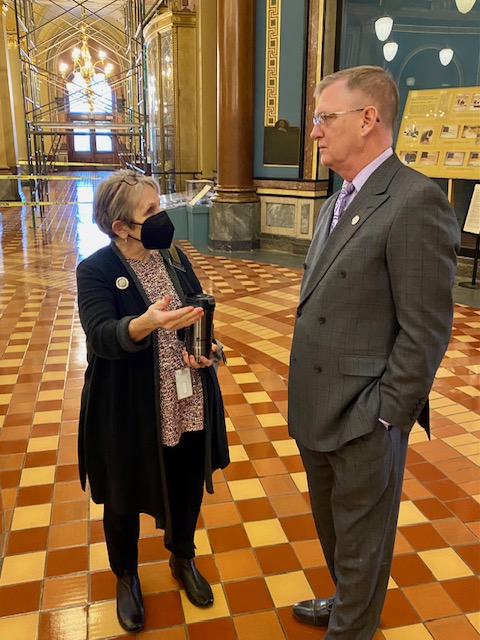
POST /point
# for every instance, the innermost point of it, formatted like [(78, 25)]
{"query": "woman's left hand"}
[(191, 361)]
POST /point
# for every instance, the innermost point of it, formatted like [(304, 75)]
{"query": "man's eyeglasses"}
[(323, 118)]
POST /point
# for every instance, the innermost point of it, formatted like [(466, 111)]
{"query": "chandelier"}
[(84, 64)]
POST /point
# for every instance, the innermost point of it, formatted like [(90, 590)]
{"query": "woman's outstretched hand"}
[(157, 316)]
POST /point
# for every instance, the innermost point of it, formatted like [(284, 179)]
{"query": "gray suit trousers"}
[(355, 494)]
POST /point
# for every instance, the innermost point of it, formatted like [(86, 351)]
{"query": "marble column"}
[(235, 215), (8, 152)]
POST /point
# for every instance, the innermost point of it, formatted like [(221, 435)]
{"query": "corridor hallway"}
[(256, 539)]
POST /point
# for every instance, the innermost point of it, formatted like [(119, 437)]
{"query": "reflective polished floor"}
[(256, 539)]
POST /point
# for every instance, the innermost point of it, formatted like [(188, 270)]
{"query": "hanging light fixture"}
[(445, 55), (390, 51), (383, 27), (464, 6), (83, 63)]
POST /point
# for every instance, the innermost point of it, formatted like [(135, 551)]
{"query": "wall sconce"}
[(390, 51), (383, 27), (445, 55), (464, 6)]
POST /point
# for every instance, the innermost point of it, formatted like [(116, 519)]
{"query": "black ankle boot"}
[(130, 611), (196, 587)]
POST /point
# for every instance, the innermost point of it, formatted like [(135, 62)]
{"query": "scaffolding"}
[(46, 28)]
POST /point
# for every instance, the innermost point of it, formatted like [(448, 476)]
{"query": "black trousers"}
[(185, 473)]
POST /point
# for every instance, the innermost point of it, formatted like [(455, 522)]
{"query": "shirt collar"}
[(361, 177)]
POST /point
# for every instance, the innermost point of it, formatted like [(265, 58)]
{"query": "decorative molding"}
[(235, 195), (299, 188), (439, 30), (167, 20), (272, 61), (320, 52), (179, 5), (420, 49), (12, 42)]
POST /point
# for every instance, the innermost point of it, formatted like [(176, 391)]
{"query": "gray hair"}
[(116, 196), (374, 82)]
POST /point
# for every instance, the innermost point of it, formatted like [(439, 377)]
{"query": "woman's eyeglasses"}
[(130, 180)]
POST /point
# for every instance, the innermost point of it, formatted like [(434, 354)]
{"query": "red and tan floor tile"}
[(256, 539)]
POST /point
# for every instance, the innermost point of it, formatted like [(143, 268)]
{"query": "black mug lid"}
[(204, 300)]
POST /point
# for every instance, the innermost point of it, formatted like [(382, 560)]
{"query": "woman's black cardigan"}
[(120, 445)]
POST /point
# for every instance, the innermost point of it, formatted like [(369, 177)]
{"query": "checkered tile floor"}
[(256, 539)]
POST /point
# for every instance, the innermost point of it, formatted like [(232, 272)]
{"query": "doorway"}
[(90, 111)]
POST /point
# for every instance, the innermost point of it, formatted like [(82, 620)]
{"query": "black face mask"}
[(157, 231)]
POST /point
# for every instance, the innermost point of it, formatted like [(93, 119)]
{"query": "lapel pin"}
[(122, 283), (355, 219)]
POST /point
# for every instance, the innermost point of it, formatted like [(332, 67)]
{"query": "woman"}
[(147, 444)]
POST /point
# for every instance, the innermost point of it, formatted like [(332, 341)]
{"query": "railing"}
[(168, 179)]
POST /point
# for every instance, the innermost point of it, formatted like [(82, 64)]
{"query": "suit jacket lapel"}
[(371, 196), (319, 239)]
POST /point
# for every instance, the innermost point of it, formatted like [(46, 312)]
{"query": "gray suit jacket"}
[(375, 311)]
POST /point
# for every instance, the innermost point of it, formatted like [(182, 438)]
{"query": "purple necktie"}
[(340, 204)]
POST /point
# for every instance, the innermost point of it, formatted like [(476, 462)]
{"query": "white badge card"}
[(183, 380)]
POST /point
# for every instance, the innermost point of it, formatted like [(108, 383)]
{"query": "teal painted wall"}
[(419, 36)]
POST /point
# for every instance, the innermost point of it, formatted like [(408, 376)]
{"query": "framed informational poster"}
[(440, 133)]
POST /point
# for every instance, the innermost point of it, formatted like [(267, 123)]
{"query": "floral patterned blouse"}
[(177, 416)]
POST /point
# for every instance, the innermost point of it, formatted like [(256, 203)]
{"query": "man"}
[(372, 326)]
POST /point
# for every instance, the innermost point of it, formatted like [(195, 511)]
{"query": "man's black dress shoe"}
[(196, 587), (130, 611), (315, 612)]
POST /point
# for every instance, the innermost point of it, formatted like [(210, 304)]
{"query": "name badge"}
[(183, 380)]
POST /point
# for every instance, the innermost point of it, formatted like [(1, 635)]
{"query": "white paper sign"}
[(472, 221)]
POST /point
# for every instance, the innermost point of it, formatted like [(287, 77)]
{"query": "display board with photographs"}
[(440, 133)]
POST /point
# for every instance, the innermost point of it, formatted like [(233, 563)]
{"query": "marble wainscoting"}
[(287, 223), (288, 212)]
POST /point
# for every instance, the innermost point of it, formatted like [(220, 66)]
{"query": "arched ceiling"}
[(106, 10), (57, 23)]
